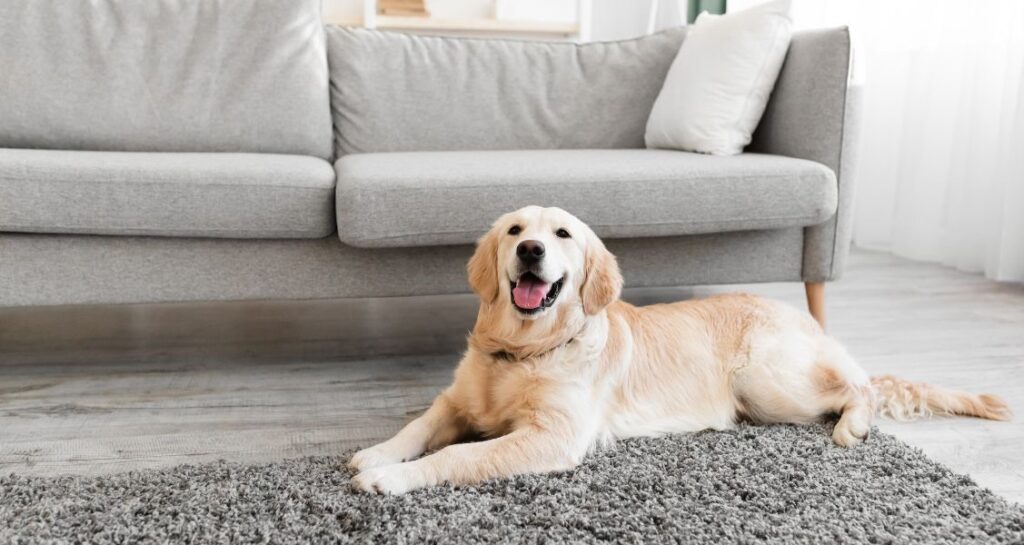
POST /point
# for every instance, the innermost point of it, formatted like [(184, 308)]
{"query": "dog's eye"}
[(515, 230), (562, 233)]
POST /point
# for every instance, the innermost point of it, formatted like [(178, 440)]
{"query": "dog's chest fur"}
[(500, 395)]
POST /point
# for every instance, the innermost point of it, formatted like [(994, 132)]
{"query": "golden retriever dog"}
[(557, 365)]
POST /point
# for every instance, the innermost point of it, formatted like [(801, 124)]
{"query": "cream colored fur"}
[(544, 390)]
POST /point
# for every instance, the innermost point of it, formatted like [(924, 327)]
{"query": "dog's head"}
[(538, 262)]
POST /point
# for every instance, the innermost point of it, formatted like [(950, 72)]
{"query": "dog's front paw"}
[(375, 456), (394, 479)]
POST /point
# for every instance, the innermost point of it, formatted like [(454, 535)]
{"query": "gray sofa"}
[(232, 149)]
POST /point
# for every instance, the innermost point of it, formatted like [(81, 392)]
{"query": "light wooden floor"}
[(98, 389)]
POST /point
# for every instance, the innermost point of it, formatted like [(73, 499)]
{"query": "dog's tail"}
[(904, 400)]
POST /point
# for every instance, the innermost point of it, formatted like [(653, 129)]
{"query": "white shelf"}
[(474, 25), (394, 22), (578, 31)]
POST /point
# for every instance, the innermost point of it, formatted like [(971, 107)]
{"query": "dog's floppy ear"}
[(483, 267), (602, 282)]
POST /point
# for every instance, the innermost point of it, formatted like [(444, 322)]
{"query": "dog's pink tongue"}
[(529, 292)]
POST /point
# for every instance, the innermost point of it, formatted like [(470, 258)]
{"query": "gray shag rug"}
[(784, 484)]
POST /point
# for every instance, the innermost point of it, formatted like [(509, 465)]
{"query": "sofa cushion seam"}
[(86, 183), (600, 227), (363, 185)]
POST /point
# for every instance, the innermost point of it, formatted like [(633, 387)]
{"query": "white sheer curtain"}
[(941, 168)]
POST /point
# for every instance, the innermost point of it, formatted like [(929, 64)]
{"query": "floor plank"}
[(91, 390)]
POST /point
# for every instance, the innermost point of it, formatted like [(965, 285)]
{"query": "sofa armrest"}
[(813, 114)]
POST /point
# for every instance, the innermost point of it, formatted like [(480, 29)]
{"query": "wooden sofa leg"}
[(816, 300)]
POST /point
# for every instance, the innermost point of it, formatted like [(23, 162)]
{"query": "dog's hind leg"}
[(799, 376), (843, 387)]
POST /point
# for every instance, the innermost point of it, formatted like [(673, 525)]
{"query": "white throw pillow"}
[(718, 86)]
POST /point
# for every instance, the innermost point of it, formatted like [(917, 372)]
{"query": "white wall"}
[(451, 9), (342, 10), (625, 19), (611, 19)]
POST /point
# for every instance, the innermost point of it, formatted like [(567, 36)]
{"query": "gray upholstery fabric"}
[(181, 75), (262, 87), (811, 116), (167, 194), (840, 229), (433, 198), (76, 269), (396, 92)]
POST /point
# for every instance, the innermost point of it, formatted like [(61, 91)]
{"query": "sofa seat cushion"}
[(434, 198), (227, 195)]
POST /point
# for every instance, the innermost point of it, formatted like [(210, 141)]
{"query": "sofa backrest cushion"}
[(399, 92), (181, 75)]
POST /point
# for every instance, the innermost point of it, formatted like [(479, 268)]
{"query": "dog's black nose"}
[(530, 251)]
